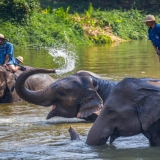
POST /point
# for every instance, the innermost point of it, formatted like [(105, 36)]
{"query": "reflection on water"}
[(26, 134), (129, 59)]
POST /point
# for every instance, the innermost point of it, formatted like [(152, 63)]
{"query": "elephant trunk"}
[(73, 133), (40, 97), (99, 133)]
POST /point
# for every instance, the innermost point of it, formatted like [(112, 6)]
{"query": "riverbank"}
[(56, 27)]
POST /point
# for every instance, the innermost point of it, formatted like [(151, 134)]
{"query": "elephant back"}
[(39, 81)]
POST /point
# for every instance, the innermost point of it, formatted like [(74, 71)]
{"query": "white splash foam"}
[(7, 120), (68, 61), (64, 120)]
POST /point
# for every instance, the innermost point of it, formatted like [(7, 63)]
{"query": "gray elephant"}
[(7, 82), (132, 108), (79, 95)]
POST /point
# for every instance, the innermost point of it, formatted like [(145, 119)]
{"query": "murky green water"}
[(26, 134)]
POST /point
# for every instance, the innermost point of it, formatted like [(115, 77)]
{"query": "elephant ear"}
[(10, 79), (149, 108), (90, 102)]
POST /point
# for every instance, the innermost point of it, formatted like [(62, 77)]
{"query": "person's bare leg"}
[(13, 68)]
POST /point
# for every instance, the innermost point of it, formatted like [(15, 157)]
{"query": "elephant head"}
[(72, 96), (133, 107)]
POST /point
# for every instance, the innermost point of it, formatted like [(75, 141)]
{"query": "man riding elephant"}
[(7, 58)]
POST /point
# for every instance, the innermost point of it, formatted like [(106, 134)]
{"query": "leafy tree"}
[(17, 10)]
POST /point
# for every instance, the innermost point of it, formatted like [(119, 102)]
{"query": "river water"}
[(26, 134)]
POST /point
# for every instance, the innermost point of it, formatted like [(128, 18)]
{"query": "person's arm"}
[(155, 48), (9, 53), (158, 32), (157, 51), (6, 60)]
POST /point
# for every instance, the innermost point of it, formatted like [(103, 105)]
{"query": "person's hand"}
[(158, 51), (5, 65)]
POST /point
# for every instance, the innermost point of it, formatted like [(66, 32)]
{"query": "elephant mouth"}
[(111, 138), (114, 135), (52, 113), (89, 114), (103, 141)]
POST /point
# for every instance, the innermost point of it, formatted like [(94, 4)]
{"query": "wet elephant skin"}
[(79, 95), (133, 107)]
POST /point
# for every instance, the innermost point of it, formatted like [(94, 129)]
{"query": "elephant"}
[(79, 95), (8, 79), (132, 108)]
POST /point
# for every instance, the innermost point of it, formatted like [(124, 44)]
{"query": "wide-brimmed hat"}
[(2, 37), (149, 18), (20, 59)]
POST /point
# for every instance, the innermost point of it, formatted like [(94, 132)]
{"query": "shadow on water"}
[(26, 134)]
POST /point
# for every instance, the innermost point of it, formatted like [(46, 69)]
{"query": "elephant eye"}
[(61, 93), (110, 111)]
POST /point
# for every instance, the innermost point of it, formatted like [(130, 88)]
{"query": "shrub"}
[(126, 24), (17, 10)]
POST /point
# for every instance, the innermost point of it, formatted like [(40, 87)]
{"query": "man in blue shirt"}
[(153, 32), (7, 59)]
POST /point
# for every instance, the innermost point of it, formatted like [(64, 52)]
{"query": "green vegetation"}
[(25, 23), (149, 6), (125, 24)]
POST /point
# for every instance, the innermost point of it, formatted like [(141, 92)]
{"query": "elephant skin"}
[(132, 108), (73, 133), (8, 79), (80, 95)]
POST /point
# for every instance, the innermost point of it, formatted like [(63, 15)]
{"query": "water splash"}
[(6, 120), (58, 120), (66, 59)]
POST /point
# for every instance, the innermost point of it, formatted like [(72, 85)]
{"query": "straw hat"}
[(149, 18), (2, 36), (20, 59)]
